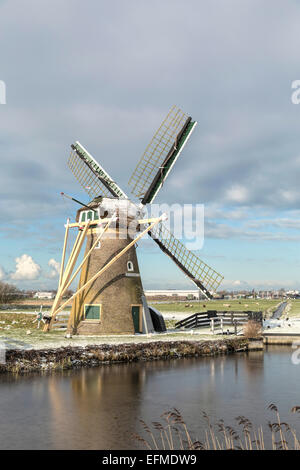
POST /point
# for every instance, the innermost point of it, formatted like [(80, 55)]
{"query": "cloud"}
[(259, 284), (237, 194), (239, 283), (2, 274), (55, 265), (284, 223), (122, 90), (111, 86), (26, 269)]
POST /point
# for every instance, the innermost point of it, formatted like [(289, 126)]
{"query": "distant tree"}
[(9, 293), (68, 293), (29, 293)]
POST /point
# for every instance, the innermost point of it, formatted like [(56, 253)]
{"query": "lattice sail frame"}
[(206, 278), (157, 151), (90, 174)]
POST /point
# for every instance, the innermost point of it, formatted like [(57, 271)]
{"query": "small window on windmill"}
[(96, 214), (130, 266), (90, 215), (92, 312), (82, 217)]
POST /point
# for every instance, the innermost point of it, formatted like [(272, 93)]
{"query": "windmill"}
[(110, 297)]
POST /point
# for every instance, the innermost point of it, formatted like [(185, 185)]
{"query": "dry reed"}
[(172, 434), (252, 329)]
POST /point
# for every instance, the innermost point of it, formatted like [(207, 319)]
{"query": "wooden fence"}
[(214, 319), (61, 321)]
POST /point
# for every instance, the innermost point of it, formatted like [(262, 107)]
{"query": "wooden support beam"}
[(102, 221), (62, 264), (73, 257), (88, 254), (67, 274), (113, 260), (73, 250)]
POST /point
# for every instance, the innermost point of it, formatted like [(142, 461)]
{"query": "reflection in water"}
[(100, 408), (254, 365), (97, 404)]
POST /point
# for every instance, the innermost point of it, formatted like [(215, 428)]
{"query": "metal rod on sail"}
[(78, 202)]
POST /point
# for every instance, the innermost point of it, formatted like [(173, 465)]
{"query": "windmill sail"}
[(90, 174), (161, 154), (206, 278)]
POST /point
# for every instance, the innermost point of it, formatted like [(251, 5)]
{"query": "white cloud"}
[(26, 269), (290, 196), (239, 283), (2, 274), (55, 268), (259, 284), (237, 193)]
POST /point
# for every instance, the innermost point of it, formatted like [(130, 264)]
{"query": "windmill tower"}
[(110, 297)]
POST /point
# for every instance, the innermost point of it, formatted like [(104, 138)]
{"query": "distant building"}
[(44, 295), (174, 293)]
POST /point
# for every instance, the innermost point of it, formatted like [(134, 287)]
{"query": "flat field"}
[(16, 326), (256, 305), (19, 331), (293, 309)]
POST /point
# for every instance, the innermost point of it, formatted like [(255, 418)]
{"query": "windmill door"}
[(135, 310)]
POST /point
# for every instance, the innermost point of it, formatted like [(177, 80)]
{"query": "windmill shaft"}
[(78, 202)]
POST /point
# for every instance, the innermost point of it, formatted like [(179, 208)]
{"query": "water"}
[(100, 408), (278, 312)]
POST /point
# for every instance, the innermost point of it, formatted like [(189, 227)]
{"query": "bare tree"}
[(9, 293)]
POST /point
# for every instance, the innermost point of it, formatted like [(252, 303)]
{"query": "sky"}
[(106, 74)]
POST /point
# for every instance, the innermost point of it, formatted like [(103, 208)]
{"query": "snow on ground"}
[(176, 315), (288, 326), (48, 340)]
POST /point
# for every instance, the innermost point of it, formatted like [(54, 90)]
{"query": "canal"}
[(100, 408)]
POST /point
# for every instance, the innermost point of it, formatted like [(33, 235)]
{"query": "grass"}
[(14, 328), (16, 324), (14, 321), (171, 433), (293, 308), (170, 324), (255, 305)]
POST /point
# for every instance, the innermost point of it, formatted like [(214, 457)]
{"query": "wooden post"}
[(66, 276), (72, 251), (145, 320), (73, 258), (62, 265), (113, 260), (222, 325)]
